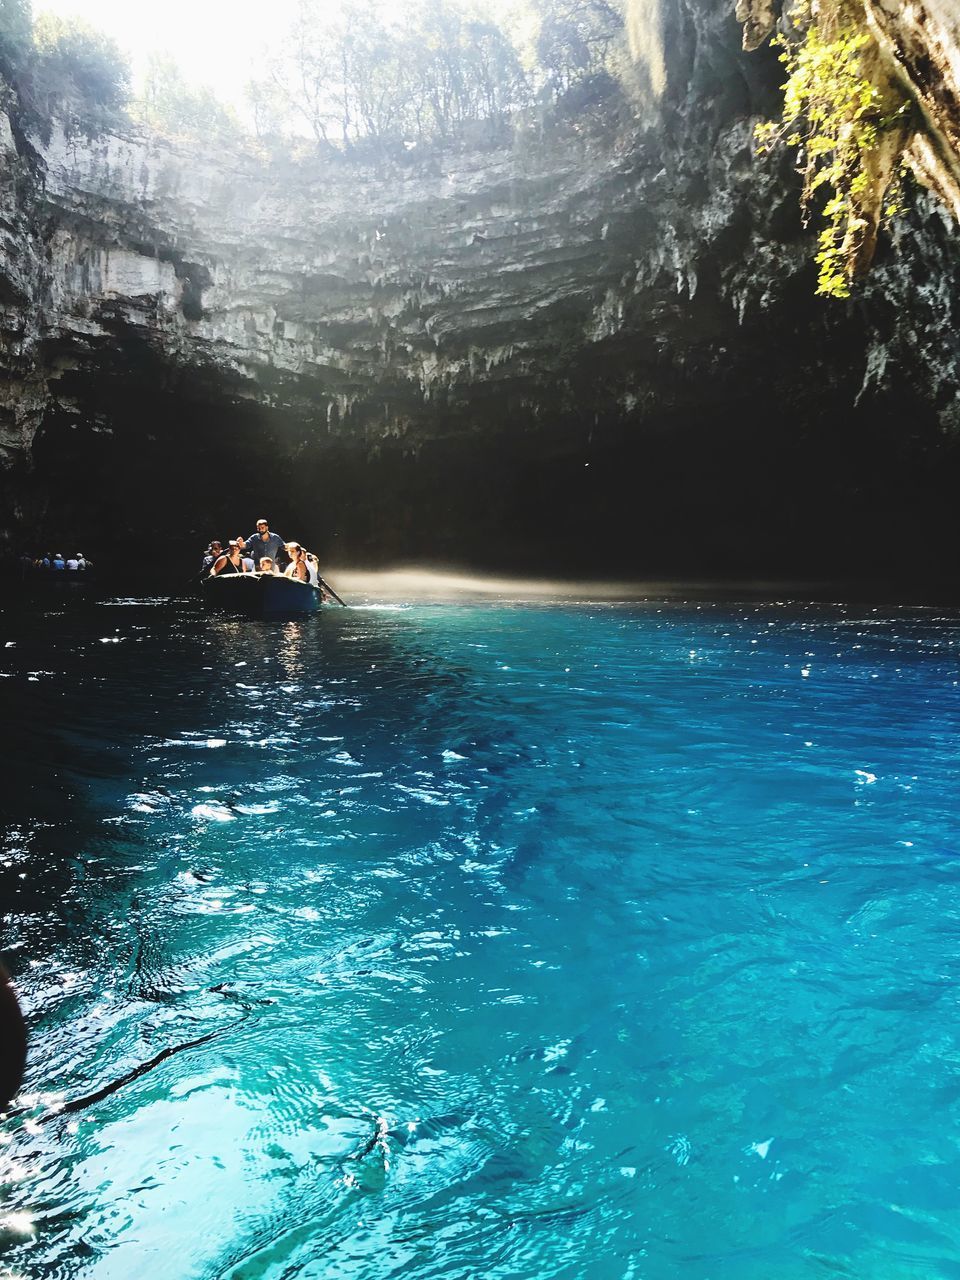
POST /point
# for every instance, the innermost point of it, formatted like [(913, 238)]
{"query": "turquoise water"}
[(508, 940)]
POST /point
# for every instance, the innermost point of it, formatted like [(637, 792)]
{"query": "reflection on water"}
[(517, 940)]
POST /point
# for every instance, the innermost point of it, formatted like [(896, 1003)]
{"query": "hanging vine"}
[(851, 123)]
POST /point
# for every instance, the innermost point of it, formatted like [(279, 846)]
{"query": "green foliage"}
[(349, 73), (842, 113), (170, 105), (578, 43), (369, 71), (79, 75), (464, 70), (83, 58), (58, 69), (16, 34), (366, 71)]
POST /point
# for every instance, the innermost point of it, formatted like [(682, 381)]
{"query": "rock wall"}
[(922, 43), (590, 346)]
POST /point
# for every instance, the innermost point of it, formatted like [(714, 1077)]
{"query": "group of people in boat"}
[(263, 552), (56, 562)]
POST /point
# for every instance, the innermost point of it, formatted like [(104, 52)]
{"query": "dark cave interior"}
[(727, 479)]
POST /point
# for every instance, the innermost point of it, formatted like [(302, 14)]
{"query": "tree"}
[(78, 75), (305, 86), (171, 106), (366, 73), (58, 69), (578, 41), (500, 84), (16, 37)]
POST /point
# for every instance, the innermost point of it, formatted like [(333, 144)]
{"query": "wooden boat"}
[(54, 583), (56, 577), (261, 594)]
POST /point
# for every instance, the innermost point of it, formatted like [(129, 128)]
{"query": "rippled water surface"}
[(496, 940)]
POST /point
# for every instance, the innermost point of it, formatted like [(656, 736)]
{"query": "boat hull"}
[(260, 595), (50, 585)]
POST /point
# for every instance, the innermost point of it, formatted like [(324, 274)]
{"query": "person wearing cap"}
[(264, 543), (231, 561)]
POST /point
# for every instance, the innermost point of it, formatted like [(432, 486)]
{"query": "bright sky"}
[(215, 42)]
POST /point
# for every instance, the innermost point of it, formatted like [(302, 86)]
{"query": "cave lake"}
[(545, 938)]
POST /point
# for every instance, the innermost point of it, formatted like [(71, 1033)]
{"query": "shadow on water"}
[(83, 689)]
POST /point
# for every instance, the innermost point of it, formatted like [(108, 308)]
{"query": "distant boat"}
[(260, 594), (32, 579)]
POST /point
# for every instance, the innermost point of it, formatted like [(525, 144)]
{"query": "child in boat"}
[(267, 565)]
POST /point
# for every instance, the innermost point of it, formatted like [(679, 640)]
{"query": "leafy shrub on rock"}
[(59, 69)]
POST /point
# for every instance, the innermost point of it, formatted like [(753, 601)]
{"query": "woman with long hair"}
[(297, 568)]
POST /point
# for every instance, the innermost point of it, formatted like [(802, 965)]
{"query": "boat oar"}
[(329, 590)]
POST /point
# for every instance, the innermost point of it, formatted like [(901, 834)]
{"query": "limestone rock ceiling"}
[(364, 300), (383, 304)]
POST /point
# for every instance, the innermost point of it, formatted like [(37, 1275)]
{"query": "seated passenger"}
[(297, 568), (58, 560), (212, 553), (267, 565), (313, 568), (230, 562), (73, 564), (249, 564)]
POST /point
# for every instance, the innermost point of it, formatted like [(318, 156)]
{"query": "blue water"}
[(556, 940)]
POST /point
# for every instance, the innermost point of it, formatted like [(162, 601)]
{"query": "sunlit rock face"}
[(585, 349)]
